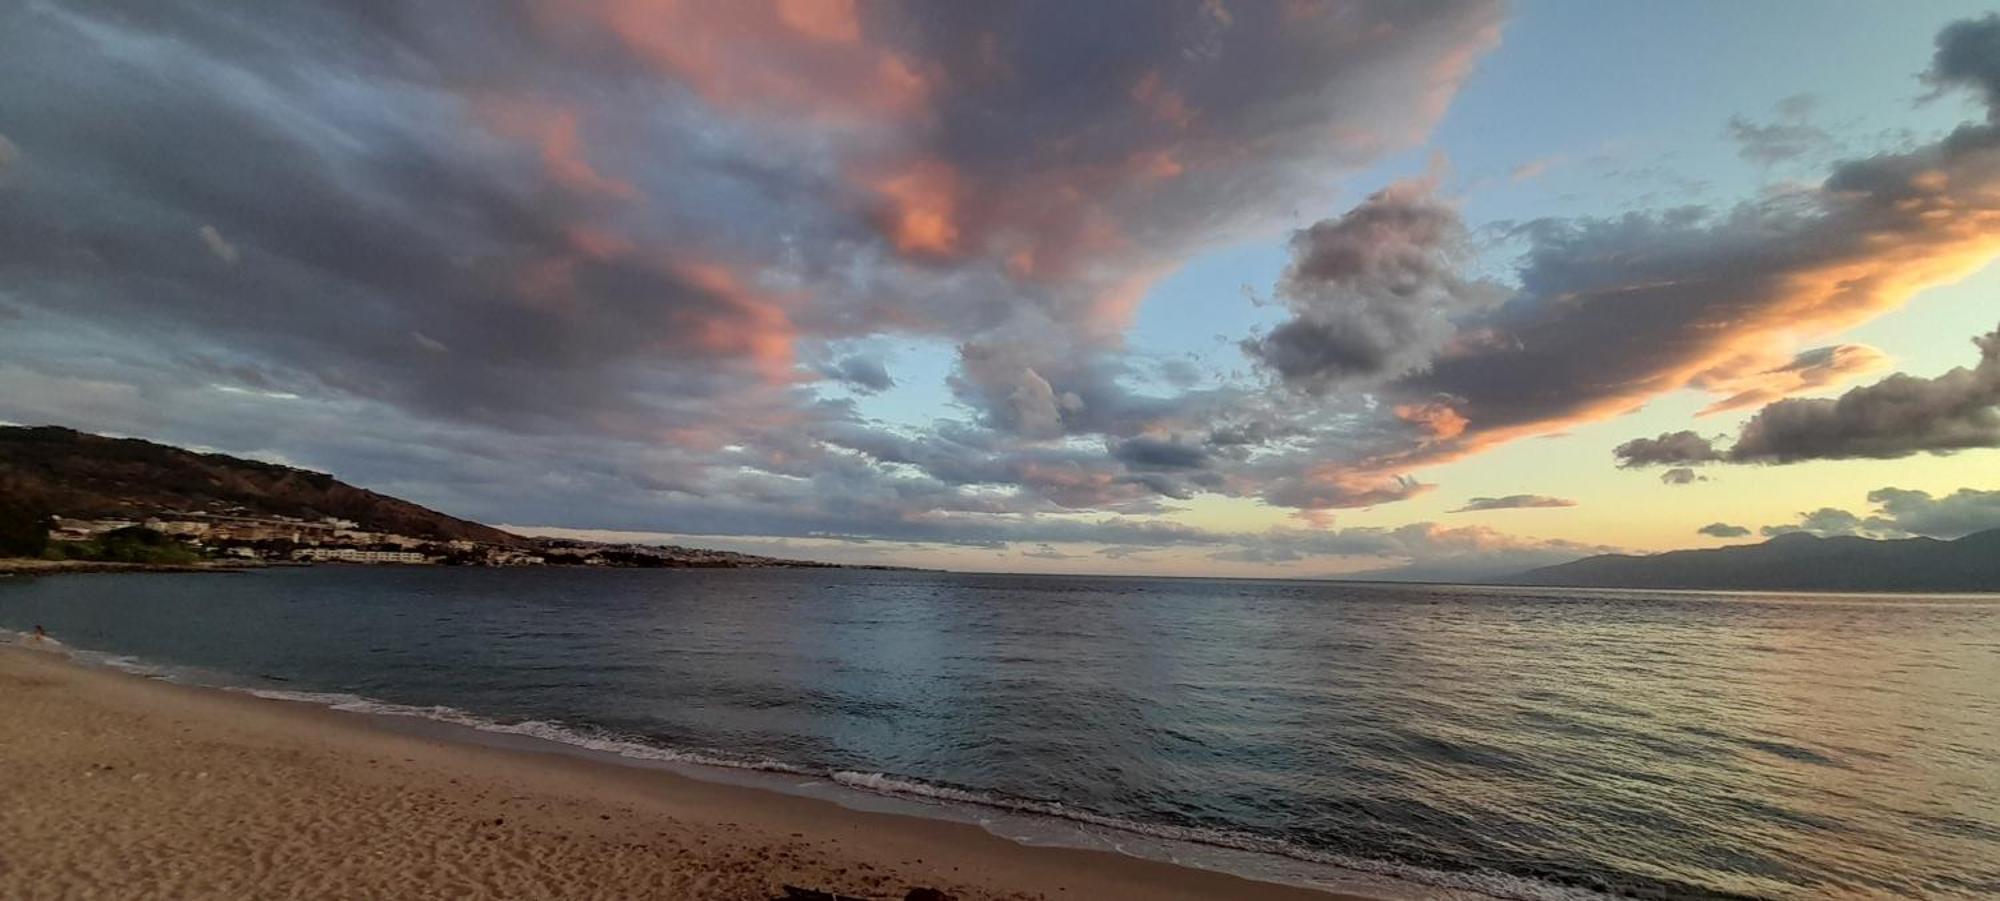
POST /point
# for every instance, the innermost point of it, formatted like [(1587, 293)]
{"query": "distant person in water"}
[(41, 634)]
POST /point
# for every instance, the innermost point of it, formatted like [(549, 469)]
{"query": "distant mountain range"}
[(1796, 561), (76, 474)]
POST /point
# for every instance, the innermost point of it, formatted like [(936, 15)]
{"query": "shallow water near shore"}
[(1529, 743)]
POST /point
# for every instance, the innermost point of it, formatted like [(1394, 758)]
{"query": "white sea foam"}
[(1492, 884), (587, 739)]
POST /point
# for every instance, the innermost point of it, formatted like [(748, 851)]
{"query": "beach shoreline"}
[(121, 786), (35, 566)]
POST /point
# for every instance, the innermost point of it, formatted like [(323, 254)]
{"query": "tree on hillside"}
[(24, 530)]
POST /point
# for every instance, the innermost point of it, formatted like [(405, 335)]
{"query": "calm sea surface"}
[(1528, 742)]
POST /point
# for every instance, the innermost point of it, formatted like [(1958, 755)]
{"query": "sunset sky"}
[(1275, 288)]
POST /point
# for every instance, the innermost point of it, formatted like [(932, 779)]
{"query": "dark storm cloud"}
[(1670, 448), (1514, 502), (1723, 530), (1896, 417)]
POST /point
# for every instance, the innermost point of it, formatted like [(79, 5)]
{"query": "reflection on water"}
[(1649, 742)]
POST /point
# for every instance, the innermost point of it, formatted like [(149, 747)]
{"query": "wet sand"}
[(118, 786)]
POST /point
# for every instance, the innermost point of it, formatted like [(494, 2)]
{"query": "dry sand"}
[(117, 786)]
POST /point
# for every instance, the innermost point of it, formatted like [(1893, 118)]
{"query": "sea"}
[(1407, 740)]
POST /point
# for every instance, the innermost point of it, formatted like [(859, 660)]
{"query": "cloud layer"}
[(1899, 416), (638, 264), (654, 251), (1904, 513), (1896, 417), (1514, 502)]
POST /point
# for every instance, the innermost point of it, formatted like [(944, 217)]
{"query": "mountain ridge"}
[(79, 474), (1796, 562)]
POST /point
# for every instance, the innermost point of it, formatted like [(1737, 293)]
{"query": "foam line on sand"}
[(116, 786)]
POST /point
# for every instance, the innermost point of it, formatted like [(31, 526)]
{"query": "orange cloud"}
[(922, 206), (1438, 420), (1335, 485), (742, 323), (725, 319), (1157, 164), (1754, 381), (772, 57), (822, 20), (1885, 272), (549, 282), (553, 129), (1166, 104)]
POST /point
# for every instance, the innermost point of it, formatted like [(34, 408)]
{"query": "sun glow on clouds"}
[(661, 250)]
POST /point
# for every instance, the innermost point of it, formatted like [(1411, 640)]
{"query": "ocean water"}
[(1531, 743)]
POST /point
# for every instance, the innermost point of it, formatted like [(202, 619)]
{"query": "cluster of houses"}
[(328, 539), (332, 540)]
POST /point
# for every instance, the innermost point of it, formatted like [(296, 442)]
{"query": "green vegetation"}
[(24, 530), (132, 544)]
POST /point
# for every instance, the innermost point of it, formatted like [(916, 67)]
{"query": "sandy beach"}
[(118, 786)]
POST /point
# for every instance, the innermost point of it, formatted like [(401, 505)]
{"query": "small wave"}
[(1482, 882), (1500, 885), (28, 640), (545, 730)]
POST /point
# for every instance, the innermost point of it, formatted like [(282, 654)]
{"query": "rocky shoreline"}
[(28, 566)]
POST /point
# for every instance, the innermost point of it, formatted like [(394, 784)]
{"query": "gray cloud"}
[(1825, 522), (1372, 293), (1968, 55), (1145, 452), (1902, 513), (215, 243), (1670, 448), (627, 266), (1429, 550), (1440, 554), (864, 373), (1613, 312), (1914, 512), (1681, 475), (1789, 138), (1723, 530), (456, 233), (1896, 417), (1514, 502)]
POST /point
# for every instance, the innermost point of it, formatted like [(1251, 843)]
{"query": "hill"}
[(1797, 561), (76, 474)]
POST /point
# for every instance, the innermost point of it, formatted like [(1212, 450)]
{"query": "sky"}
[(1285, 289)]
